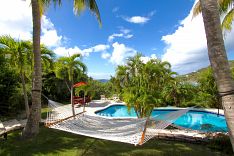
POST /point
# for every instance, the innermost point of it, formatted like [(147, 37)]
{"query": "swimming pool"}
[(194, 119)]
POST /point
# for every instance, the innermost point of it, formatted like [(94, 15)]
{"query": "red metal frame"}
[(80, 100)]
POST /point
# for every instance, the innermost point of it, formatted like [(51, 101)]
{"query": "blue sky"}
[(163, 29)]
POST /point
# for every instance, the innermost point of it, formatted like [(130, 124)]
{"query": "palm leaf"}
[(227, 21), (81, 5)]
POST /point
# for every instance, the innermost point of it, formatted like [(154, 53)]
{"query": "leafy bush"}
[(8, 87)]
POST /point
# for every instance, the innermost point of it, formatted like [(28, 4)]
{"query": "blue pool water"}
[(196, 120)]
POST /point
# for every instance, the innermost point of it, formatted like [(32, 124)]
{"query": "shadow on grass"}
[(54, 142)]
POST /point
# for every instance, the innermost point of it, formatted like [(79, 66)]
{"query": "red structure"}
[(80, 100), (79, 84)]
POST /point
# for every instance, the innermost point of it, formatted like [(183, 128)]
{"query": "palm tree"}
[(218, 60), (47, 58), (38, 7), (142, 83), (225, 8), (122, 76), (32, 127), (18, 52), (66, 67)]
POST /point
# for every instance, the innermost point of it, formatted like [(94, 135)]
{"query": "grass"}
[(53, 142), (44, 112)]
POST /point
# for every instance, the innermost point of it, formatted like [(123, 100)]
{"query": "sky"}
[(162, 29)]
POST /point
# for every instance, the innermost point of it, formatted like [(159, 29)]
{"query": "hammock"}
[(132, 131)]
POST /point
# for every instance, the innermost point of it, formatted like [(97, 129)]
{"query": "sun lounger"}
[(3, 130), (11, 125)]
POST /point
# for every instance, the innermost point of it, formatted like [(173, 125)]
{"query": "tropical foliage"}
[(226, 9), (66, 68), (141, 83), (38, 8), (18, 53), (8, 87)]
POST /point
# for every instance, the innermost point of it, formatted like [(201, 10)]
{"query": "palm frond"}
[(44, 5), (81, 5), (197, 9), (7, 41), (227, 21), (225, 5), (81, 65), (75, 56), (94, 8)]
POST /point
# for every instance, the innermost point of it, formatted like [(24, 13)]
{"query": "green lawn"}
[(44, 112), (54, 142)]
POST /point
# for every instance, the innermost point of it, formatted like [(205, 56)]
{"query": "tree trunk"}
[(32, 127), (72, 99), (25, 94), (218, 60)]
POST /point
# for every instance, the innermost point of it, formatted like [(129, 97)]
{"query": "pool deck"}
[(98, 105)]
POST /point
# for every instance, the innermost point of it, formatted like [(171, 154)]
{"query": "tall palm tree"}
[(218, 60), (226, 7), (38, 7), (66, 68), (18, 52), (32, 127)]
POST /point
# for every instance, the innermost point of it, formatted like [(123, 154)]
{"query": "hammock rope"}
[(132, 131)]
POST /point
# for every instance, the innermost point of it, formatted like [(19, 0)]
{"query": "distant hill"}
[(103, 80), (192, 77)]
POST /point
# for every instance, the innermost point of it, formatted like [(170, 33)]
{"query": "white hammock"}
[(132, 131)]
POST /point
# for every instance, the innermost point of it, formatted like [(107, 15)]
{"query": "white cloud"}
[(137, 19), (124, 30), (16, 21), (106, 55), (152, 13), (229, 40), (63, 51), (124, 34), (111, 37), (115, 9), (97, 48), (100, 47), (50, 36), (186, 48), (145, 59), (128, 36), (120, 53)]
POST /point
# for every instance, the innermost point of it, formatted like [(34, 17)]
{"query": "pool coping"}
[(187, 135), (208, 110)]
